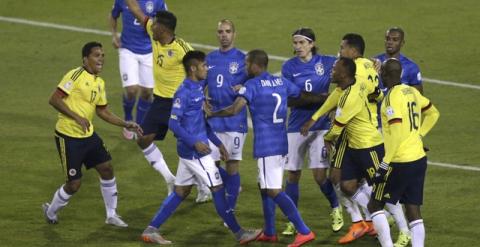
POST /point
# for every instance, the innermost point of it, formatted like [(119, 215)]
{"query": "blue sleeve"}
[(416, 76), (286, 71), (248, 91), (163, 5), (212, 137), (116, 9), (179, 103), (292, 90)]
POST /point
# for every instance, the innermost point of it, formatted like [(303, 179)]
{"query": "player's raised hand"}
[(306, 127), (202, 148), (84, 123), (132, 126), (223, 153)]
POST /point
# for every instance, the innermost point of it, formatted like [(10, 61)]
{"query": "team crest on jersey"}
[(72, 172), (319, 69), (389, 111), (170, 53), (68, 85), (233, 67), (177, 103), (149, 7)]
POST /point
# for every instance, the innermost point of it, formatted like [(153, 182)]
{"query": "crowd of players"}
[(366, 155)]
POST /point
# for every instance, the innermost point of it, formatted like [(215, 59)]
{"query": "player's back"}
[(267, 101), (226, 70), (403, 105), (367, 79)]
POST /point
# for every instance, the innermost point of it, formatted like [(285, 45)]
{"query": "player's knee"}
[(105, 170), (183, 191), (294, 176), (71, 187), (412, 212), (320, 176), (146, 94), (349, 188), (374, 206), (144, 141), (273, 192), (232, 167), (335, 175), (131, 92)]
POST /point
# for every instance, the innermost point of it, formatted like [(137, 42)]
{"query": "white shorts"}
[(233, 142), (299, 146), (198, 171), (270, 171), (135, 69)]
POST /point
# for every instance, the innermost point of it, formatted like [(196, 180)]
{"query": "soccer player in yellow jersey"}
[(79, 96), (168, 73), (401, 174)]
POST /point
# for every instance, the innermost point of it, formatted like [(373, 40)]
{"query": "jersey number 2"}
[(277, 106)]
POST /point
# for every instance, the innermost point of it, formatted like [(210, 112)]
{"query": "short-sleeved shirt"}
[(168, 71), (226, 70), (267, 101), (312, 76), (404, 103), (84, 92), (134, 37), (410, 71)]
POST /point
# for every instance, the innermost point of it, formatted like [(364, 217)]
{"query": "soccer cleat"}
[(337, 219), (248, 236), (116, 221), (49, 220), (203, 196), (129, 135), (390, 220), (151, 235), (356, 231), (289, 230), (371, 229), (265, 238), (403, 239), (301, 239)]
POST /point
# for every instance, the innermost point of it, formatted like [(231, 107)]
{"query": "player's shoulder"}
[(184, 45), (381, 57), (408, 62), (238, 53), (75, 74), (325, 58)]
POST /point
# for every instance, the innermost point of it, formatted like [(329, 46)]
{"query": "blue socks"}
[(142, 108), (329, 192), (223, 174), (224, 211), (292, 190), (268, 215), (127, 108), (166, 210), (232, 185), (289, 210)]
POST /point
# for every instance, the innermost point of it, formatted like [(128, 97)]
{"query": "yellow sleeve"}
[(430, 117), (392, 141), (351, 106), (334, 132), (68, 81), (148, 27), (329, 104), (103, 95)]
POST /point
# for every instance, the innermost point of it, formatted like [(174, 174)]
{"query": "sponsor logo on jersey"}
[(296, 74), (68, 85), (390, 111), (242, 90)]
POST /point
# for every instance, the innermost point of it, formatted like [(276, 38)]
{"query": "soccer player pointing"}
[(79, 96), (401, 174)]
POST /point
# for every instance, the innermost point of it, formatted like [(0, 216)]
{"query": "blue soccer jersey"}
[(267, 101), (187, 120), (313, 76), (225, 70), (410, 71), (134, 37)]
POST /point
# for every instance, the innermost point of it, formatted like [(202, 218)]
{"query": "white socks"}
[(362, 197), (397, 212), (417, 230), (350, 206), (155, 158), (383, 229), (60, 200), (109, 193)]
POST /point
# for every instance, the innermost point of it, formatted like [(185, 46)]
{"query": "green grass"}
[(441, 37)]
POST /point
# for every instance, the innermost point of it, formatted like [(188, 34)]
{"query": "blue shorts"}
[(404, 183), (74, 152), (361, 163), (156, 120)]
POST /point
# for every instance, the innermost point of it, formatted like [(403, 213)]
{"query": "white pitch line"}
[(210, 47)]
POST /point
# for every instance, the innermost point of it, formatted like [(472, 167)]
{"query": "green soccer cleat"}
[(403, 239), (290, 230), (337, 218)]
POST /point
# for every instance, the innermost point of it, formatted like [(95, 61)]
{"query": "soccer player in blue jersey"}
[(310, 72), (189, 125), (266, 96), (226, 71), (135, 58), (394, 41)]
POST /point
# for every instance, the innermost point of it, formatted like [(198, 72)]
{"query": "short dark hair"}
[(393, 68), (258, 57), (307, 32), (349, 65), (166, 18), (192, 58), (87, 48), (398, 30), (356, 41)]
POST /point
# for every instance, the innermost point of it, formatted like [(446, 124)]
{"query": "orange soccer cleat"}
[(266, 238), (356, 231), (301, 239)]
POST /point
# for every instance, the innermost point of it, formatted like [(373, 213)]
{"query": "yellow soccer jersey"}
[(168, 71), (367, 79), (354, 115), (84, 93), (403, 105)]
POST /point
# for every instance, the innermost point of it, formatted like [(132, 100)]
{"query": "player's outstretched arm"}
[(231, 110), (431, 115), (329, 104), (136, 10), (104, 113), (56, 100), (307, 98)]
